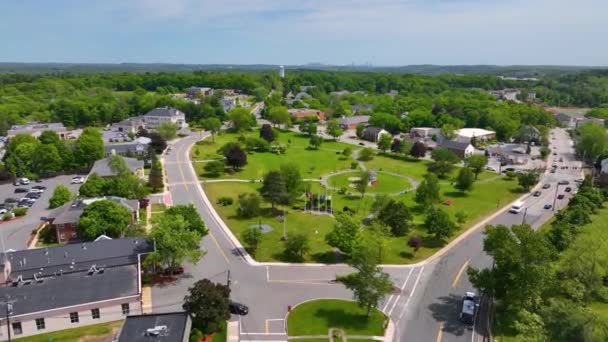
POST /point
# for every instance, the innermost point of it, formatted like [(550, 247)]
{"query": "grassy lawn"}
[(316, 317), (220, 336), (386, 183), (74, 335), (312, 163), (271, 248)]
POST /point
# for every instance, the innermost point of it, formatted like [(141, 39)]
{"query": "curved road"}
[(424, 308)]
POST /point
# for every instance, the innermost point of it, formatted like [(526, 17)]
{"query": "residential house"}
[(300, 113), (424, 132), (461, 149), (564, 119), (351, 122), (130, 125), (65, 218), (373, 133), (467, 134), (137, 147), (228, 103), (159, 327), (71, 286), (582, 121), (194, 92), (158, 116), (103, 169), (529, 133), (35, 129)]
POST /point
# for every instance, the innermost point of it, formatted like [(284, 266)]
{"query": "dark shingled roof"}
[(135, 327), (455, 145), (56, 277), (102, 168), (164, 111)]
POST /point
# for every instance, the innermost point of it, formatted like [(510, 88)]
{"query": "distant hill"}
[(423, 69)]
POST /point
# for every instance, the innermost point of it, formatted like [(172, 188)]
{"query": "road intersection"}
[(424, 306)]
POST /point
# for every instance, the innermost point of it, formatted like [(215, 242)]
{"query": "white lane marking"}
[(411, 294), (401, 292), (267, 274)]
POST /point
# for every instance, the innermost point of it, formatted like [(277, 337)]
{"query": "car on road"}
[(561, 196), (547, 206), (467, 312), (568, 189), (563, 182), (238, 309), (536, 193), (554, 153), (546, 186), (21, 190), (77, 180)]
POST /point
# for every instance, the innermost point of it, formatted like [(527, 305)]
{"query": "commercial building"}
[(138, 147), (65, 218), (130, 125), (466, 134), (35, 129), (193, 92), (373, 134), (57, 288), (228, 103), (162, 327), (103, 169), (424, 132), (301, 113), (351, 122), (158, 116)]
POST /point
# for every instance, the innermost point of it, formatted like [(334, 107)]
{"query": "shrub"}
[(354, 165), (366, 154), (225, 201), (415, 242), (20, 212), (214, 168), (342, 190), (7, 217)]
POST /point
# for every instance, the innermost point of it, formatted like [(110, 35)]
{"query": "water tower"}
[(282, 71)]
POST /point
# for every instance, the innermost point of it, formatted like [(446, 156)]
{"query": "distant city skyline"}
[(336, 32)]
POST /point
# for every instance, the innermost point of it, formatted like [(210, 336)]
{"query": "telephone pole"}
[(9, 311)]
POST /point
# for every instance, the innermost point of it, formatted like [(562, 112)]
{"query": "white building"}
[(158, 116), (70, 286), (282, 71), (466, 134)]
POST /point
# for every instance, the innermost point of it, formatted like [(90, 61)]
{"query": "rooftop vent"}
[(38, 279), (159, 330)]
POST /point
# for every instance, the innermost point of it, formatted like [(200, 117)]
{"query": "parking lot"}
[(15, 233)]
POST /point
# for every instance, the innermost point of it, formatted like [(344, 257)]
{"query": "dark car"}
[(536, 193), (548, 206), (32, 195), (238, 309), (39, 187), (568, 189), (546, 186), (563, 182), (560, 196), (21, 190), (11, 200)]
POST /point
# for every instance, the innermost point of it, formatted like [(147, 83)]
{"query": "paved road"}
[(15, 233), (424, 305)]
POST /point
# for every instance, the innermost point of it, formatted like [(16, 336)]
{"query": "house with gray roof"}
[(351, 122), (70, 286), (158, 116), (35, 129), (64, 219), (137, 147), (461, 149), (159, 327), (373, 133), (103, 169)]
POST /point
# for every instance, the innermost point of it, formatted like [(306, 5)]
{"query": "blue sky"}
[(381, 32)]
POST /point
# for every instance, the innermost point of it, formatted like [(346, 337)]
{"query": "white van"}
[(517, 207)]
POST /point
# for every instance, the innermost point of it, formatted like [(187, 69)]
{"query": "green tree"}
[(279, 115), (249, 205), (252, 236), (347, 152), (384, 142), (167, 130), (334, 129), (213, 125), (418, 150), (103, 217), (439, 223), (267, 133), (527, 180), (46, 160), (207, 304), (344, 234), (591, 140), (290, 174), (88, 147), (465, 180), (193, 220), (118, 165), (297, 246), (214, 168), (442, 154), (235, 157), (476, 163), (366, 154), (448, 131), (308, 126), (397, 216), (95, 186), (274, 188), (440, 168), (315, 141), (242, 119), (155, 179), (427, 192), (359, 130), (61, 195), (362, 182)]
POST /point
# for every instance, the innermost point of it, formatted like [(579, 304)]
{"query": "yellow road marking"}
[(179, 166), (218, 247), (440, 332), (267, 326), (466, 263)]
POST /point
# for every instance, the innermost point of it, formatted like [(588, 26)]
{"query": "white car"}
[(3, 211), (24, 181), (77, 180), (36, 191), (469, 306)]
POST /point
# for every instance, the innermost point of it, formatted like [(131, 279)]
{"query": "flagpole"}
[(284, 225)]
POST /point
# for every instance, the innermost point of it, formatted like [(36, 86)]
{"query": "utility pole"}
[(523, 221), (555, 197), (228, 280), (9, 310)]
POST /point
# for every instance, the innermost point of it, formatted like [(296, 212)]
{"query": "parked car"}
[(3, 211), (33, 195), (77, 180), (561, 196), (467, 311), (11, 200), (548, 206), (568, 189), (552, 170), (24, 181), (35, 191), (536, 193), (563, 182), (238, 308), (546, 186), (21, 190), (39, 187)]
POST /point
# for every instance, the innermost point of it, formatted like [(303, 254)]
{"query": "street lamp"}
[(555, 197)]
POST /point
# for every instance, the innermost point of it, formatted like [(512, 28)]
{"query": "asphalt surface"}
[(424, 306), (15, 233)]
